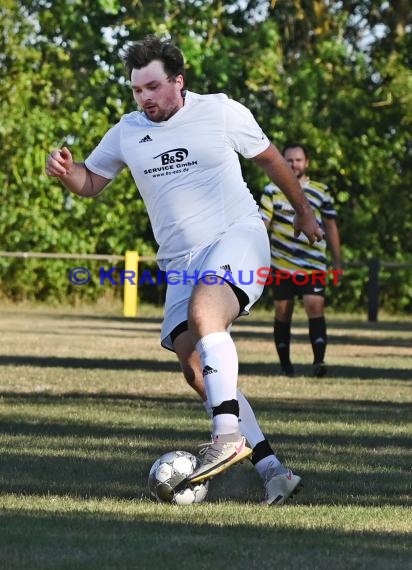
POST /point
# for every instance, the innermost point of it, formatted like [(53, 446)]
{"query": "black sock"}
[(261, 450), (227, 407), (281, 335), (318, 338)]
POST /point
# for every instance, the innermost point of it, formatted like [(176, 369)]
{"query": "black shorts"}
[(296, 285)]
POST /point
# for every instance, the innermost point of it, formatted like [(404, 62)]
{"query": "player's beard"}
[(159, 116)]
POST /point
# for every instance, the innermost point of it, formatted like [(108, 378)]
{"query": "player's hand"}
[(306, 223), (59, 162)]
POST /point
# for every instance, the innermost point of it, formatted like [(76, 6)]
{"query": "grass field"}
[(88, 401)]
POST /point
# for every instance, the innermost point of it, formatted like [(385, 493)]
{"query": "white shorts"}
[(241, 256)]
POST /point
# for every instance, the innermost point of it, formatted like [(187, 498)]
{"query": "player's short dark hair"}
[(292, 144), (152, 48)]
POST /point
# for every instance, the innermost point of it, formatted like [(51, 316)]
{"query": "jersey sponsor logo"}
[(147, 138), (168, 169), (172, 156)]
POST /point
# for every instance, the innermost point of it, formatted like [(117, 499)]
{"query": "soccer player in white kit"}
[(182, 150)]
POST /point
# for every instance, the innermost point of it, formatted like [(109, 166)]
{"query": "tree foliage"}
[(336, 76)]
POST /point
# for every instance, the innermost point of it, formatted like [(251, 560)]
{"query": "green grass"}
[(88, 401)]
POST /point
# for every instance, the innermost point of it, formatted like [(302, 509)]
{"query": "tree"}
[(334, 75)]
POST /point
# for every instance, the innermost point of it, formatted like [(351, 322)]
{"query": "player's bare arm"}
[(333, 241), (277, 169), (75, 176)]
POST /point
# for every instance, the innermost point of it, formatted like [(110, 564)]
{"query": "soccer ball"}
[(170, 470)]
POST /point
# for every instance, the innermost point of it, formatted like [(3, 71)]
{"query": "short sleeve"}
[(242, 130), (327, 209), (106, 159)]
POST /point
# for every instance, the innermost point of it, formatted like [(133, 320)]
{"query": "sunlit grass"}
[(88, 401)]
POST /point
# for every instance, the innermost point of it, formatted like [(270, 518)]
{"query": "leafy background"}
[(335, 75)]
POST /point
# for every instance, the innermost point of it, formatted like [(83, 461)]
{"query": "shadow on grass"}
[(300, 332), (123, 332), (143, 435), (248, 368), (303, 337), (403, 326), (59, 317), (343, 371), (344, 410), (244, 328), (92, 459), (126, 478), (90, 363), (100, 541)]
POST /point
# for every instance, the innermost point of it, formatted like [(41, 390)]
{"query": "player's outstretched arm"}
[(277, 169), (75, 176)]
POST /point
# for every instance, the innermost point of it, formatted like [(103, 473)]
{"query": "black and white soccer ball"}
[(170, 470)]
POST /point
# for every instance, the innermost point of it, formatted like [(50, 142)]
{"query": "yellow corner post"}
[(131, 297)]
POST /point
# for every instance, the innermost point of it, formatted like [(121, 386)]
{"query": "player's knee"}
[(315, 310), (284, 312)]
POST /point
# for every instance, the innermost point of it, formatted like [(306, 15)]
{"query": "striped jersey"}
[(287, 252)]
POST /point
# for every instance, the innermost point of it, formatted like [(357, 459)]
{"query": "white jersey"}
[(186, 168)]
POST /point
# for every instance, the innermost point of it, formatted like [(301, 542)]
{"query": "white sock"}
[(208, 409), (248, 425), (270, 466), (219, 362)]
